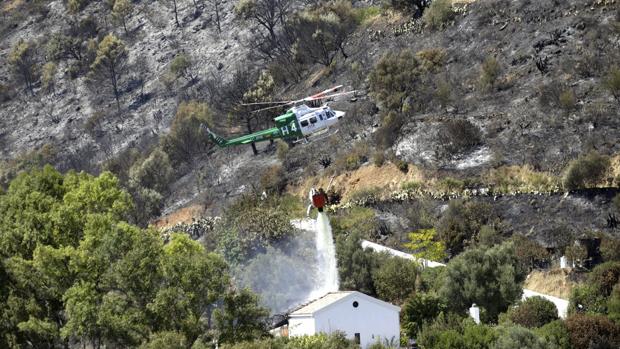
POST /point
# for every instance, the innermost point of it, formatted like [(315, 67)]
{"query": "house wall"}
[(300, 326), (372, 321)]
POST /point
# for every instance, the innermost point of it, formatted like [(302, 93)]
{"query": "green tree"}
[(356, 265), (461, 222), (533, 312), (241, 318), (419, 309), (24, 63), (395, 279), (110, 64), (186, 139), (424, 245), (155, 172), (394, 78), (165, 340), (121, 11), (490, 278)]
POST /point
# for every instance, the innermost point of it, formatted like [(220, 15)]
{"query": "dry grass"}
[(182, 215), (520, 178), (11, 5), (615, 166), (553, 282), (387, 177)]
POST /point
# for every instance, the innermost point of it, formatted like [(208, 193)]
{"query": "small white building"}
[(365, 319)]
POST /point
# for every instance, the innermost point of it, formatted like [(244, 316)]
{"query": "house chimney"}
[(474, 312)]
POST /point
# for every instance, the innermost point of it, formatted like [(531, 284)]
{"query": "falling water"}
[(327, 278)]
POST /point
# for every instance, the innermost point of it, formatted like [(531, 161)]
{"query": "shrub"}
[(274, 179), (186, 139), (554, 334), (181, 66), (612, 82), (567, 100), (378, 158), (438, 13), (461, 222), (450, 185), (457, 137), (586, 171), (155, 172), (533, 312), (394, 78), (489, 72), (610, 249), (512, 337), (432, 59), (365, 195), (411, 186), (489, 277), (576, 253), (387, 134), (48, 76), (586, 299), (530, 253), (592, 331), (604, 277), (281, 149), (402, 165), (442, 333)]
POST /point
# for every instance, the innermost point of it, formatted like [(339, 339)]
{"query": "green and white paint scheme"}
[(298, 122)]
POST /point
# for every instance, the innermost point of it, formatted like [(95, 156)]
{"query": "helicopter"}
[(298, 123)]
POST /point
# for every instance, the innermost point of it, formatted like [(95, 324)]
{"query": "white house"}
[(365, 319)]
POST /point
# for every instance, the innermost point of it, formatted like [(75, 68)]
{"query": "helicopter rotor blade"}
[(268, 108), (263, 103), (329, 96), (329, 90)]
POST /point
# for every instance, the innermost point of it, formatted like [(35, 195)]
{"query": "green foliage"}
[(356, 265), (365, 195), (554, 334), (181, 67), (165, 340), (155, 172), (516, 337), (445, 331), (605, 276), (364, 15), (461, 222), (610, 249), (121, 11), (241, 318), (322, 32), (612, 82), (532, 312), (24, 63), (586, 171), (282, 149), (394, 78), (530, 253), (109, 64), (587, 298), (73, 271), (356, 220), (395, 279), (48, 76), (456, 137), (491, 278), (186, 139), (576, 253), (273, 179), (592, 331), (419, 309), (424, 245), (248, 227), (568, 100), (438, 13), (449, 185), (613, 305), (75, 6), (489, 72)]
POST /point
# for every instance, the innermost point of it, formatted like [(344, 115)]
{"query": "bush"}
[(533, 312), (457, 137), (387, 134), (461, 222), (378, 158), (438, 13), (612, 82), (568, 100), (610, 249), (586, 171), (155, 172), (530, 254), (402, 165), (274, 179), (186, 139), (432, 59), (489, 72), (365, 195), (513, 337), (592, 331), (554, 334), (604, 277), (394, 78), (281, 149)]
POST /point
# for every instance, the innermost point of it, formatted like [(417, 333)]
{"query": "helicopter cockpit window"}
[(330, 114), (313, 120), (321, 116), (304, 123)]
